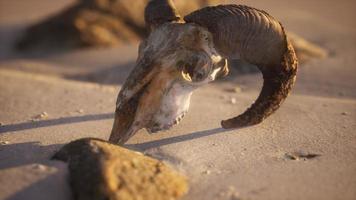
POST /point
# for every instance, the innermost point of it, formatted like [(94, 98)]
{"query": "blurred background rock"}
[(109, 23), (96, 23)]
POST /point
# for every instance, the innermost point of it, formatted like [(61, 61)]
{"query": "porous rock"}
[(103, 171)]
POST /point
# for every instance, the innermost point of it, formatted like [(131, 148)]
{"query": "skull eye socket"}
[(195, 69), (192, 74)]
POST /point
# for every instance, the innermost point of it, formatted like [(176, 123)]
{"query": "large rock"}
[(103, 171), (95, 23)]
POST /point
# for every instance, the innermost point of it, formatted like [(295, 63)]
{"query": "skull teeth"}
[(179, 118), (186, 76)]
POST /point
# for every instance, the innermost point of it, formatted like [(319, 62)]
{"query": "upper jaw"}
[(214, 73)]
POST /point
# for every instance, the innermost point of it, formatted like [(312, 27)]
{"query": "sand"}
[(306, 150)]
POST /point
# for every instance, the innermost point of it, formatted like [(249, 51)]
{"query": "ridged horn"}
[(256, 37), (158, 12)]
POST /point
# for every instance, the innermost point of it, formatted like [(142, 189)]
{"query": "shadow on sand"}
[(56, 184), (21, 161), (53, 122), (19, 154), (176, 139)]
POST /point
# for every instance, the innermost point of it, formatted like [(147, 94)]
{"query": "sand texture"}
[(306, 150)]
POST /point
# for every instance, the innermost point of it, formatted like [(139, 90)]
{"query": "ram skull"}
[(180, 55)]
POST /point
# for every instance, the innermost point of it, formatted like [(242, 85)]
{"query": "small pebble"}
[(207, 172), (235, 196), (234, 90), (291, 156), (1, 124), (39, 167), (80, 111), (233, 101), (4, 142), (43, 115), (135, 162), (344, 113), (231, 193), (237, 89)]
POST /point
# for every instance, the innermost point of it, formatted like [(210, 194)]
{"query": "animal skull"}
[(180, 55)]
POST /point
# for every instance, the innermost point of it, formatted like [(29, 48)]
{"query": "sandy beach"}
[(306, 150)]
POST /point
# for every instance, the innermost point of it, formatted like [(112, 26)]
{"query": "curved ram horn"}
[(256, 37), (158, 12)]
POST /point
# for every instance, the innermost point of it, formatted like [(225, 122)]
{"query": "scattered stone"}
[(344, 113), (237, 89), (81, 111), (207, 172), (4, 142), (230, 193), (233, 100), (1, 124), (39, 167), (101, 170), (43, 115), (300, 156)]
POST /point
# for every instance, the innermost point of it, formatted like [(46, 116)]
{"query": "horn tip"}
[(223, 124), (240, 122), (227, 124)]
